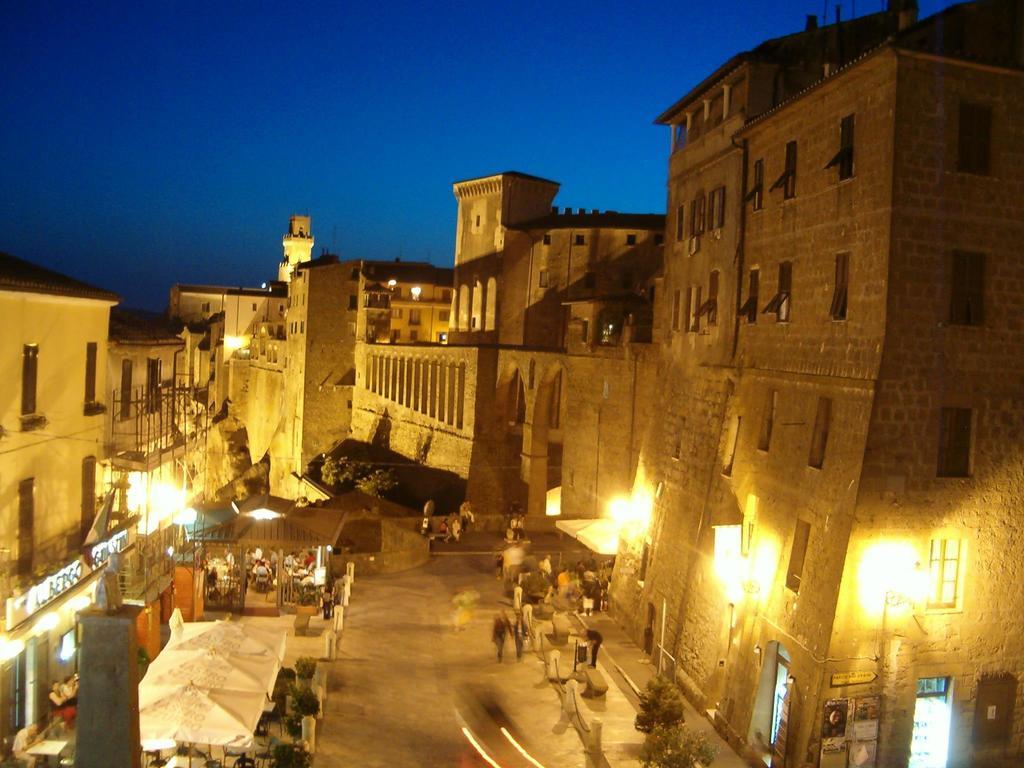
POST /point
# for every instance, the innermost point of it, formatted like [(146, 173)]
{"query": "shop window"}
[(779, 304), (797, 554), (748, 310), (843, 158), (967, 306), (819, 438), (840, 291), (974, 139), (771, 402), (944, 573), (955, 442)]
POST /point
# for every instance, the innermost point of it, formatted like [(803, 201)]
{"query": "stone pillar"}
[(108, 693)]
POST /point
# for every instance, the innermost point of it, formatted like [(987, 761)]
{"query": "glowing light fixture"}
[(415, 291), (392, 283), (264, 514), (79, 603), (231, 343), (10, 648), (47, 622), (187, 516)]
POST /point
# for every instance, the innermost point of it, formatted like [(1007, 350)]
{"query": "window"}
[(547, 238), (731, 442), (90, 372), (414, 317), (478, 220), (678, 136), (580, 240), (446, 294), (152, 385), (631, 239), (716, 208), (843, 159), (443, 315), (819, 438), (126, 389), (944, 573), (658, 238), (841, 290), (396, 312), (975, 139), (414, 334), (756, 193), (352, 302), (680, 220), (677, 300), (749, 307), (966, 305), (787, 181), (779, 303), (697, 216), (589, 280), (542, 278), (710, 306), (88, 494), (797, 555), (354, 275), (955, 442), (254, 306), (771, 402), (206, 306), (693, 308), (26, 524), (302, 326), (29, 375)]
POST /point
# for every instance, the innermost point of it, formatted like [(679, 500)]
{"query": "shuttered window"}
[(797, 555), (974, 139), (26, 524), (29, 376), (153, 385), (764, 440), (841, 290), (126, 389), (779, 304), (88, 494), (749, 308), (90, 372), (843, 159), (819, 438), (955, 442), (967, 286)]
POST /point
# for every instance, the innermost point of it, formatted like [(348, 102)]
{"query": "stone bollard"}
[(330, 645), (309, 732), (350, 571), (339, 622), (345, 596), (569, 702)]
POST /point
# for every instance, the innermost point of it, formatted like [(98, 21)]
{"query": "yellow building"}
[(51, 440)]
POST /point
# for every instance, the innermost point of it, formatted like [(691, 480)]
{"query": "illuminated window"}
[(944, 573)]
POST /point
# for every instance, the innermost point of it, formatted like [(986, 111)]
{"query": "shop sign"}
[(101, 552), (40, 595), (839, 679)]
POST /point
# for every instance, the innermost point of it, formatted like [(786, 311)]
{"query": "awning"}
[(600, 535)]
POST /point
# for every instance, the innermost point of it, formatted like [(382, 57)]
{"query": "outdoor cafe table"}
[(47, 749)]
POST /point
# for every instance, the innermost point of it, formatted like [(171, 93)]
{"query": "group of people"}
[(63, 699), (517, 626), (452, 526), (515, 528)]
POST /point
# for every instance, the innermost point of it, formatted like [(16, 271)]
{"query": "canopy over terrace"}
[(276, 523), (600, 535)]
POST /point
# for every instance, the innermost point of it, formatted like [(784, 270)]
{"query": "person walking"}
[(519, 634), (499, 632), (327, 603), (528, 619), (594, 640), (466, 516), (544, 566), (517, 596)]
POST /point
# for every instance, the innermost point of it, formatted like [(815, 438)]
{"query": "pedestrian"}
[(603, 600), (544, 566), (466, 516), (518, 634), (23, 740), (498, 633), (456, 527), (327, 603), (499, 564), (528, 619), (594, 640), (517, 597)]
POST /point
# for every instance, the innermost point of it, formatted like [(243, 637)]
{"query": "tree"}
[(660, 704), (377, 483), (676, 746)]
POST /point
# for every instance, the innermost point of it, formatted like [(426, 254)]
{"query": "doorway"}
[(649, 630), (929, 746), (768, 723)]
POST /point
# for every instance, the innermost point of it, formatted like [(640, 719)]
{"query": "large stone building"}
[(829, 567)]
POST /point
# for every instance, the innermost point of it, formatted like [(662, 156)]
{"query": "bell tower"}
[(298, 246)]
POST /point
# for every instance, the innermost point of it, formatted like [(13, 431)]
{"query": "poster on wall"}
[(865, 718), (862, 754), (833, 725)]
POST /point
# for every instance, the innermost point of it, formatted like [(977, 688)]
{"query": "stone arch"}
[(476, 321), (542, 440), (463, 303), (490, 315)]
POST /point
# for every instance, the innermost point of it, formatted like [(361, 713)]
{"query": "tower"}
[(298, 246)]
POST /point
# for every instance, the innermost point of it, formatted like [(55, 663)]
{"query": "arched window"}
[(476, 322), (463, 308), (490, 319)]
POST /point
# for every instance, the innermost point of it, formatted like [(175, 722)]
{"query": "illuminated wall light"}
[(890, 575), (79, 603), (187, 516), (392, 283), (46, 623), (415, 291), (10, 648)]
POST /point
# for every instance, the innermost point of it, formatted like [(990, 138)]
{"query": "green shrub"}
[(291, 756), (377, 483), (676, 746), (305, 667), (304, 701), (660, 704), (293, 725)]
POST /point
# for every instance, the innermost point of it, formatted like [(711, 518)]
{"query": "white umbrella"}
[(230, 637), (187, 713), (214, 669)]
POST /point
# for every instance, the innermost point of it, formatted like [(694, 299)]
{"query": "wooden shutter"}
[(29, 376), (797, 555), (88, 494), (974, 139), (819, 438), (90, 372), (26, 524), (840, 292), (126, 389), (955, 442)]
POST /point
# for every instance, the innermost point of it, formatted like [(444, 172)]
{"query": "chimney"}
[(812, 23), (554, 209), (582, 211), (568, 211), (906, 10), (594, 210)]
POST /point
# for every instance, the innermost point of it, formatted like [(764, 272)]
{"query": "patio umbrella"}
[(229, 637), (214, 669), (188, 713)]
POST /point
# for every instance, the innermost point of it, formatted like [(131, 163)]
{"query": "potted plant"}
[(305, 706), (306, 600), (660, 705), (291, 756), (676, 746), (285, 680), (305, 668)]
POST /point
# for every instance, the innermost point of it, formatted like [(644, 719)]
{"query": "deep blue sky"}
[(149, 143)]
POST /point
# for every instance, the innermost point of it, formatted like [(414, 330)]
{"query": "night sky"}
[(153, 143)]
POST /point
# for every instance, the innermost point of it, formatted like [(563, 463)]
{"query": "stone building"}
[(552, 324), (829, 568), (54, 396)]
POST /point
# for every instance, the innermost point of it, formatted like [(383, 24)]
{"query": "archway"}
[(542, 439), (463, 316), (476, 321), (491, 303)]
